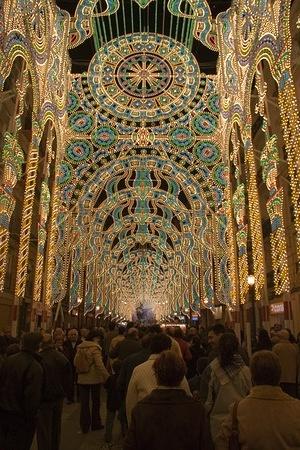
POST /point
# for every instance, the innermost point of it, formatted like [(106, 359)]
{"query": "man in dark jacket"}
[(130, 363), (128, 346), (168, 418), (128, 366), (70, 348), (21, 381), (58, 384)]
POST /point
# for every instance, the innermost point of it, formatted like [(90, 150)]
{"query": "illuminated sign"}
[(277, 308)]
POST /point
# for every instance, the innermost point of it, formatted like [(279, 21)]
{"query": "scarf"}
[(235, 366)]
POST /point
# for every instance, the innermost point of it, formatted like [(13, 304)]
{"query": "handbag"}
[(234, 436)]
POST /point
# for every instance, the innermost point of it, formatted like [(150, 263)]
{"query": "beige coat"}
[(223, 391), (97, 373), (268, 419), (288, 355)]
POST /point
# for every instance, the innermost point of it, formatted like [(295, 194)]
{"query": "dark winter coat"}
[(70, 351), (128, 366), (113, 400), (58, 377), (21, 382), (168, 419), (125, 348)]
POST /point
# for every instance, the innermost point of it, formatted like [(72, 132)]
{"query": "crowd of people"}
[(168, 388)]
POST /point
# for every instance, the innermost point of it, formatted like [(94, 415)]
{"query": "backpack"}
[(82, 361)]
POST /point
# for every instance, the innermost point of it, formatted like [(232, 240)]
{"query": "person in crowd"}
[(267, 418), (69, 348), (58, 379), (8, 338), (191, 332), (58, 339), (116, 340), (242, 348), (133, 361), (128, 365), (277, 327), (128, 346), (143, 380), (129, 325), (168, 417), (175, 347), (21, 381), (274, 333), (195, 381), (288, 355), (263, 341), (113, 402), (230, 380), (102, 334), (197, 351), (111, 333), (71, 343), (83, 333), (91, 374), (214, 335), (184, 346)]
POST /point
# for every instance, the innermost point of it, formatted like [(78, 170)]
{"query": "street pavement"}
[(72, 439)]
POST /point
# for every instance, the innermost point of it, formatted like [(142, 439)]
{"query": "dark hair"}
[(93, 334), (111, 326), (218, 328), (146, 340), (170, 331), (169, 369), (47, 342), (31, 341), (264, 339), (228, 346), (121, 329), (265, 368), (129, 325), (71, 329), (196, 341), (230, 330), (116, 366), (155, 329), (178, 333), (160, 342), (133, 333)]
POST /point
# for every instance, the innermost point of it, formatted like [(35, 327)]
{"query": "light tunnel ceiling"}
[(142, 180)]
